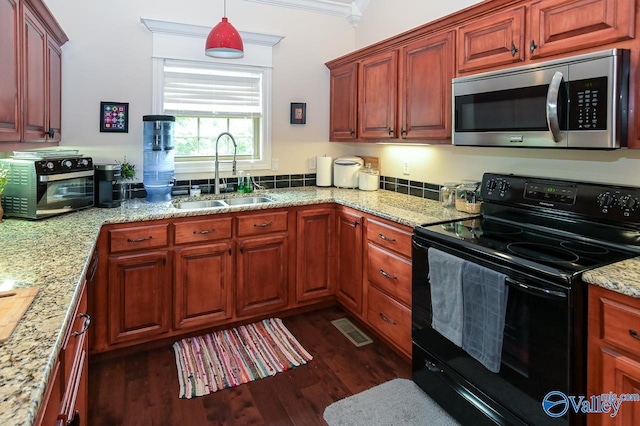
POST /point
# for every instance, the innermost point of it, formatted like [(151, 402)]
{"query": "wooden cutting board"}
[(13, 304)]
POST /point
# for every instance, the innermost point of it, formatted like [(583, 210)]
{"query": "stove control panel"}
[(599, 201)]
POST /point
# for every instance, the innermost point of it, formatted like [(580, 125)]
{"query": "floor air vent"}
[(351, 332)]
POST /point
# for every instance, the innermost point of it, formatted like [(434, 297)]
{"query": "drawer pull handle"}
[(87, 323), (385, 319), (205, 231), (384, 274), (139, 240), (634, 334), (391, 240), (262, 225)]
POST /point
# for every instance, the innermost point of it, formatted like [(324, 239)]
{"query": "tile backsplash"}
[(403, 186)]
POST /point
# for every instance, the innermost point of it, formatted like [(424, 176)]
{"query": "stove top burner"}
[(584, 247), (501, 228), (542, 252)]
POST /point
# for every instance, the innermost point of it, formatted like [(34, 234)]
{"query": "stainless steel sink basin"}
[(227, 202), (238, 201), (200, 204)]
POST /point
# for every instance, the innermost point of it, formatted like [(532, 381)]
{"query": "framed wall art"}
[(298, 113), (114, 117)]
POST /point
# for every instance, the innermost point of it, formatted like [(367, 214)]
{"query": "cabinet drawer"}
[(75, 338), (389, 237), (390, 318), (263, 223), (203, 230), (143, 237), (389, 272), (620, 323)]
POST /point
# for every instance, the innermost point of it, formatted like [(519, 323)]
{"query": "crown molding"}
[(199, 31), (352, 11)]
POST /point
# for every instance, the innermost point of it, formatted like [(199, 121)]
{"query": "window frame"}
[(207, 164)]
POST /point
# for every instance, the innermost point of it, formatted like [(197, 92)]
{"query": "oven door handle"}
[(65, 176), (419, 246), (536, 291)]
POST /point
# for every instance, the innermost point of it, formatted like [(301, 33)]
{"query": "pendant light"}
[(224, 40)]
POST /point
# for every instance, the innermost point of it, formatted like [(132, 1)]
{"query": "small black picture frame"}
[(298, 113), (114, 117)]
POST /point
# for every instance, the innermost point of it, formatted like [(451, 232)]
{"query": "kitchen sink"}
[(247, 200), (201, 204), (227, 202)]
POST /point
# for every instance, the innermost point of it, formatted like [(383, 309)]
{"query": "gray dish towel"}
[(485, 296), (445, 277)]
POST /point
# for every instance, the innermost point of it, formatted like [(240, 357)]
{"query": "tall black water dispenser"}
[(159, 163)]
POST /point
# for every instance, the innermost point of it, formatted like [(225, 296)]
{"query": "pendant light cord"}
[(225, 8)]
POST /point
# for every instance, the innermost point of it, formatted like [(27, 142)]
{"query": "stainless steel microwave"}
[(575, 102)]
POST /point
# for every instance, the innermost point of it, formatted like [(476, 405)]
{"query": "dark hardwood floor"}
[(142, 389)]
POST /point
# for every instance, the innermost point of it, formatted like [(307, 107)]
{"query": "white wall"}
[(108, 58), (438, 164)]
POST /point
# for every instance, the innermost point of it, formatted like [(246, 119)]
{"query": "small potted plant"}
[(3, 181), (128, 173)]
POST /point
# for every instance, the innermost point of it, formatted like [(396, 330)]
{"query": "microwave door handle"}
[(552, 106)]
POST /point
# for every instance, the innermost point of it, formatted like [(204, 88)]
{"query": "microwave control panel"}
[(588, 104)]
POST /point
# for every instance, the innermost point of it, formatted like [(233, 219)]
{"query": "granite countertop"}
[(54, 254)]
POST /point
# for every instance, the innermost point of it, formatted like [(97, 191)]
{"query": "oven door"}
[(65, 192), (543, 347), (526, 108)]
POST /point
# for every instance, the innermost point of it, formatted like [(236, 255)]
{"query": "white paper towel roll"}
[(324, 171)]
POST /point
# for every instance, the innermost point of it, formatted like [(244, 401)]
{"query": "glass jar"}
[(448, 194), (368, 178), (468, 197)]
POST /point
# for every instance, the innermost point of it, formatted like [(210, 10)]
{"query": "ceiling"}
[(352, 10)]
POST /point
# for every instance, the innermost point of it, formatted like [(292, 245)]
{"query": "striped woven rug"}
[(229, 358)]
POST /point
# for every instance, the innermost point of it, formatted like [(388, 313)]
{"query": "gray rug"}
[(397, 402)]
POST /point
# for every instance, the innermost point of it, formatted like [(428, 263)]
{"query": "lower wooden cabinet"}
[(65, 402), (262, 275), (314, 253), (203, 285), (390, 318), (139, 296), (349, 290), (614, 353)]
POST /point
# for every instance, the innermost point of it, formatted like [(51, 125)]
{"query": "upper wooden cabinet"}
[(31, 66), (426, 70), (344, 103), (495, 40), (402, 93), (542, 28)]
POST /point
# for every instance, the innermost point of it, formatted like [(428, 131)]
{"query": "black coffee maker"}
[(107, 193)]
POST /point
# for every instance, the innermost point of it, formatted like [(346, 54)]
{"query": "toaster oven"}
[(43, 187)]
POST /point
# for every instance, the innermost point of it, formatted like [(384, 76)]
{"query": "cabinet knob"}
[(87, 323), (403, 132), (51, 133), (390, 131), (352, 132), (634, 334), (514, 49), (533, 46)]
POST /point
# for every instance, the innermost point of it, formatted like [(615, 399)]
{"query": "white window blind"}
[(204, 89)]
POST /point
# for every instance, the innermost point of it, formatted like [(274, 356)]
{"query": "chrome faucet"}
[(217, 163)]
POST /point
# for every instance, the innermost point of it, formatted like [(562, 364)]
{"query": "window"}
[(208, 99)]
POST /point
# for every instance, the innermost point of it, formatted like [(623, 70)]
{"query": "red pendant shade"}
[(224, 41)]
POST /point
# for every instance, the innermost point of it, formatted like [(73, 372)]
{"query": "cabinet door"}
[(314, 254), (202, 285), (349, 260), (139, 296), (34, 89), (10, 118), (494, 40), (54, 99), (262, 275), (426, 71), (377, 96), (344, 101), (620, 375), (559, 26)]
